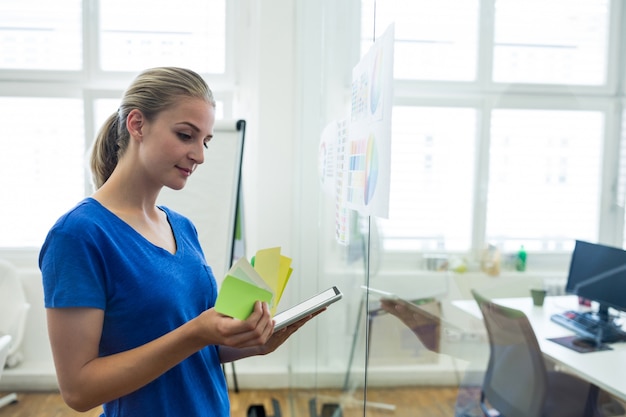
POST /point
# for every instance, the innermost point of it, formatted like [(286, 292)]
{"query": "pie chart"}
[(376, 87), (371, 169)]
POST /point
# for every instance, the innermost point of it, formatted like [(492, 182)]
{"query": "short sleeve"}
[(72, 272)]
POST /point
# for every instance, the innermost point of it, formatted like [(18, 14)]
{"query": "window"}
[(435, 40), (171, 32), (527, 158), (567, 43), (544, 178), (620, 198), (36, 157), (60, 77), (433, 170), (41, 35)]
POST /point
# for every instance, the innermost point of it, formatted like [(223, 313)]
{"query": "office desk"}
[(604, 368)]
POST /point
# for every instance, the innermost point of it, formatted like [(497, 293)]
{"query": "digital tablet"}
[(306, 308), (380, 293)]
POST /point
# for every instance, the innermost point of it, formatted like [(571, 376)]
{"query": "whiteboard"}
[(210, 197)]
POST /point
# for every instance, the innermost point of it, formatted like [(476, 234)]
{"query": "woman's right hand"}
[(218, 329)]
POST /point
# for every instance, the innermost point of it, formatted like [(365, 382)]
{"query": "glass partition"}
[(481, 136)]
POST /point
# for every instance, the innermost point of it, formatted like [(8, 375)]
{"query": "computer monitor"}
[(598, 273)]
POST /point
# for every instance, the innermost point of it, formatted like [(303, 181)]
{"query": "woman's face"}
[(173, 144)]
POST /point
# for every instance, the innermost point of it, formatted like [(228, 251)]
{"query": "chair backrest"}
[(13, 306), (515, 382), (5, 342)]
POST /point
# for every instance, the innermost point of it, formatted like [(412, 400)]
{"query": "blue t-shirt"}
[(91, 258)]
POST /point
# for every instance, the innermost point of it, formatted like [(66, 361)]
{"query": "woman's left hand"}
[(280, 336), (276, 339)]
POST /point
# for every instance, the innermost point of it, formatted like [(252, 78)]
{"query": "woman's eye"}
[(206, 144), (183, 136)]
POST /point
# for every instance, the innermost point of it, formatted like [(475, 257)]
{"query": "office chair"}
[(5, 343), (517, 382), (13, 311)]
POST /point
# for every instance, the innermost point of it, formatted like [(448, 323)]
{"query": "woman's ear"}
[(135, 123)]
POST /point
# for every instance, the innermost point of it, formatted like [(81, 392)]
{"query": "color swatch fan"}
[(245, 283)]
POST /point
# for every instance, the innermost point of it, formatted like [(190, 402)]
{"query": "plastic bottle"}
[(490, 262), (520, 264)]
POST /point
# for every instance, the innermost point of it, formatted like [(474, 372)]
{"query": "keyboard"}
[(585, 325)]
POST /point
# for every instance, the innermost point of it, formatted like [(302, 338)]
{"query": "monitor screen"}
[(598, 273)]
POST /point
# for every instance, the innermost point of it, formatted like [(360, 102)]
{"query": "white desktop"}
[(603, 368)]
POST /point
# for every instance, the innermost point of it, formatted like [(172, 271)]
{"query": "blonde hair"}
[(153, 91)]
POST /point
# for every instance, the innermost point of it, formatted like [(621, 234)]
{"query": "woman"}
[(128, 293)]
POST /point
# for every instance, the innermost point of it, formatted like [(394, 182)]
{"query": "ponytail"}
[(107, 149)]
